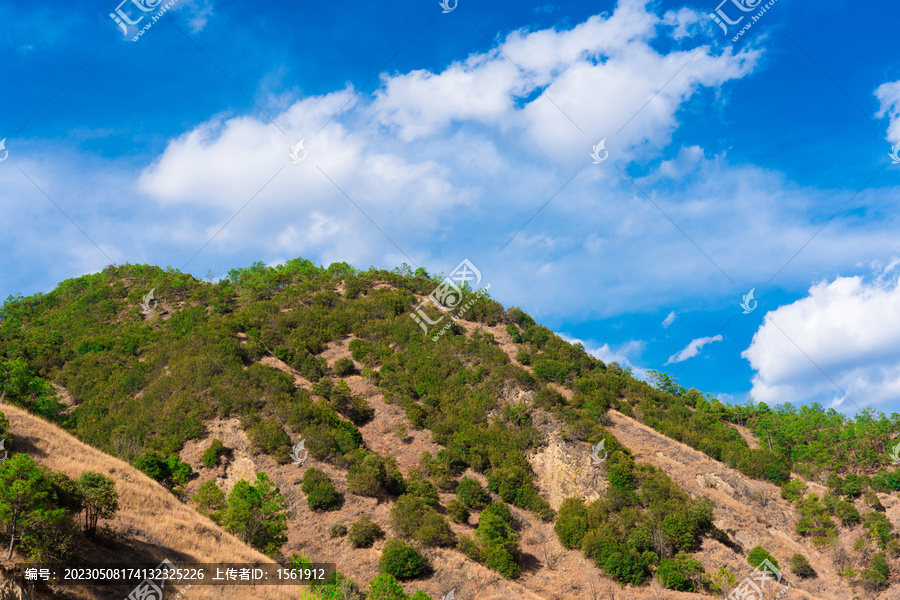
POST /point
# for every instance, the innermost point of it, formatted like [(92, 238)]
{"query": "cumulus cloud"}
[(888, 95), (623, 355), (670, 318), (692, 349), (839, 342)]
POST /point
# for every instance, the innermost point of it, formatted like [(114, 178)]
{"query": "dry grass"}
[(151, 523)]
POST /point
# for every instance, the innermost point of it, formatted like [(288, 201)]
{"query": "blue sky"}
[(433, 137)]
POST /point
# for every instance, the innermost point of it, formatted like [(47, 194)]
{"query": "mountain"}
[(445, 448)]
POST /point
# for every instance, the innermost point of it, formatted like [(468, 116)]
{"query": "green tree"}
[(472, 495), (212, 453), (402, 560), (801, 567), (877, 576), (758, 554), (364, 532), (683, 572), (99, 499), (385, 587), (25, 498), (320, 492), (257, 514), (210, 500), (572, 522)]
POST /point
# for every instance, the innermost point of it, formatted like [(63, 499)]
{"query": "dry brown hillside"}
[(151, 524)]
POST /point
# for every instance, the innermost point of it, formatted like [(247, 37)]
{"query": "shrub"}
[(680, 573), (793, 490), (457, 511), (267, 435), (337, 530), (320, 491), (210, 500), (498, 559), (872, 501), (876, 577), (852, 486), (402, 560), (211, 455), (344, 366), (375, 476), (385, 587), (758, 554), (472, 495), (407, 515), (435, 531), (422, 488), (571, 524), (879, 527), (364, 532), (846, 512), (801, 567)]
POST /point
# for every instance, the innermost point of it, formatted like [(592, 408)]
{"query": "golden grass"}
[(147, 511)]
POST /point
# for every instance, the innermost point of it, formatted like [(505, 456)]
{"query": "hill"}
[(509, 461)]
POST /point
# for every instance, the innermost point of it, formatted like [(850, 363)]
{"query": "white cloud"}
[(692, 349), (623, 355), (841, 336), (670, 318), (888, 95)]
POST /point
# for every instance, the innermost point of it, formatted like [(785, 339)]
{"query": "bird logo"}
[(5, 453), (445, 4), (895, 154), (295, 453), (451, 595), (895, 453), (298, 154), (145, 305), (595, 454), (748, 298), (3, 148), (596, 153)]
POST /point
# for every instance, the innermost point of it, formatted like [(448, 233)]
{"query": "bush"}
[(846, 512), (472, 495), (422, 488), (876, 577), (793, 490), (337, 530), (364, 532), (344, 366), (801, 567), (320, 492), (402, 560), (375, 476), (758, 554), (267, 435), (872, 501), (498, 559), (385, 587), (211, 455), (680, 573), (457, 511), (571, 524), (210, 500), (435, 531)]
